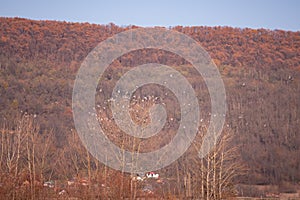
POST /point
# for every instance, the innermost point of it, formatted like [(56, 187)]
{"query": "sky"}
[(269, 14)]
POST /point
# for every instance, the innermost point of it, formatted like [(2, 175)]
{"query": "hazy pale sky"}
[(270, 14)]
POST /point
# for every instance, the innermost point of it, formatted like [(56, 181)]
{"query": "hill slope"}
[(260, 68)]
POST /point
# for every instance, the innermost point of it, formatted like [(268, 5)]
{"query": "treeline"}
[(29, 159), (62, 42)]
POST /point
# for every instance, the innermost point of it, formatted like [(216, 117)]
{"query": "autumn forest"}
[(42, 156)]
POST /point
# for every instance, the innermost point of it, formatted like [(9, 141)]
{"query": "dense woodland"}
[(38, 65)]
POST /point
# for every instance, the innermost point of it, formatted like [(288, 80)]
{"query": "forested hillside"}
[(260, 69)]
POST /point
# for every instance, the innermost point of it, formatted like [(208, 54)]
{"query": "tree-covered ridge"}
[(66, 42), (260, 69)]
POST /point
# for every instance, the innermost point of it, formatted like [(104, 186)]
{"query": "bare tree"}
[(19, 141), (31, 129), (219, 168)]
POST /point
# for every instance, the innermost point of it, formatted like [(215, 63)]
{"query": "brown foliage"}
[(260, 69)]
